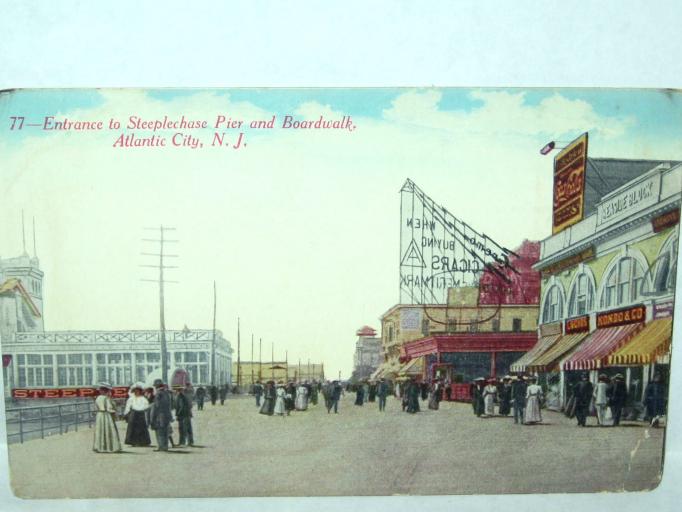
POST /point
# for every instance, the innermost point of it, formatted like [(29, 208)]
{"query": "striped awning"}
[(551, 357), (543, 344), (593, 352), (413, 367), (650, 342)]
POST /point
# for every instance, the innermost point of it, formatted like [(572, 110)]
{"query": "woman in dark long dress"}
[(505, 396), (477, 397), (137, 433), (413, 393), (359, 394), (269, 395)]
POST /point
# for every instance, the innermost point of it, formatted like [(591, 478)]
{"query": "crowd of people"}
[(156, 408)]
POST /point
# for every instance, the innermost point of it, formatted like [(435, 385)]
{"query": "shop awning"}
[(645, 346), (543, 344), (377, 374), (600, 344), (413, 367), (548, 359)]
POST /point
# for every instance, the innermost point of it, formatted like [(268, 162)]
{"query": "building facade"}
[(501, 313), (84, 358), (368, 353), (608, 286)]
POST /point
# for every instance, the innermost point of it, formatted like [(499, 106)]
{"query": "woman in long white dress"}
[(533, 400), (301, 398), (489, 395), (280, 409), (106, 433)]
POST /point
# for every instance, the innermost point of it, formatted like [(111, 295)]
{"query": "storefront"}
[(461, 358), (608, 280)]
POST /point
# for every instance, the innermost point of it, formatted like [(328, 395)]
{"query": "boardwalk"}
[(357, 452)]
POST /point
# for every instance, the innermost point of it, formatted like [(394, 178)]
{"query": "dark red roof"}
[(366, 330)]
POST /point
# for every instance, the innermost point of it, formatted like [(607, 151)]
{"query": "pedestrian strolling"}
[(519, 388), (533, 402), (382, 393), (301, 398), (183, 413), (269, 398), (601, 399), (106, 433), (200, 396), (335, 396), (213, 393), (477, 400), (359, 394), (161, 416), (280, 406), (505, 396), (655, 397), (582, 394), (135, 412), (489, 397), (617, 397), (258, 392)]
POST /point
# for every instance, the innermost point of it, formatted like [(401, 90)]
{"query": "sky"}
[(299, 229)]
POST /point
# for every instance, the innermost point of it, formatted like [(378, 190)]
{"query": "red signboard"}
[(118, 392), (577, 324), (665, 220), (569, 184), (623, 316)]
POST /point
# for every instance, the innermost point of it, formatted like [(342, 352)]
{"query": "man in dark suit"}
[(258, 392), (382, 393), (161, 415), (617, 395), (582, 393), (519, 387), (213, 393), (183, 413), (335, 396)]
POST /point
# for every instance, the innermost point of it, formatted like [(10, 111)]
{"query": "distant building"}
[(35, 358), (368, 354), (253, 371)]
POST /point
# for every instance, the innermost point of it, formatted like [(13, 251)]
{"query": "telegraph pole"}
[(162, 281), (272, 356), (239, 360), (213, 338), (260, 358), (286, 364), (252, 381)]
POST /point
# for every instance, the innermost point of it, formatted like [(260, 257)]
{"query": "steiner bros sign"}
[(569, 184), (118, 392)]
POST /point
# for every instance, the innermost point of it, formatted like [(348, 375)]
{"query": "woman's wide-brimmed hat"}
[(105, 385)]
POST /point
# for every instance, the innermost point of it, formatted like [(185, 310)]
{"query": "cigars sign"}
[(117, 392), (631, 315), (569, 184)]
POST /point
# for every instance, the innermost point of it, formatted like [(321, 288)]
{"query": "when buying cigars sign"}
[(569, 184), (623, 316), (117, 392)]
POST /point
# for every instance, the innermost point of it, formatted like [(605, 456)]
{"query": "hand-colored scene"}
[(466, 283)]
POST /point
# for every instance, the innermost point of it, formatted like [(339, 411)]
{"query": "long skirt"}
[(533, 414), (489, 405), (505, 407), (137, 433), (279, 405), (301, 402), (267, 407), (359, 398), (106, 434), (434, 402)]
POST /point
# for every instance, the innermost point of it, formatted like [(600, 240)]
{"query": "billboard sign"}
[(569, 184)]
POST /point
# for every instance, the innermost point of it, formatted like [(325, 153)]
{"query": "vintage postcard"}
[(380, 291)]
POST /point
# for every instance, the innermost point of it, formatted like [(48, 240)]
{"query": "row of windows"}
[(116, 368), (625, 284)]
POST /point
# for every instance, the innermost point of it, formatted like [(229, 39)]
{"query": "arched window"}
[(554, 305), (666, 267), (623, 283), (581, 299)]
